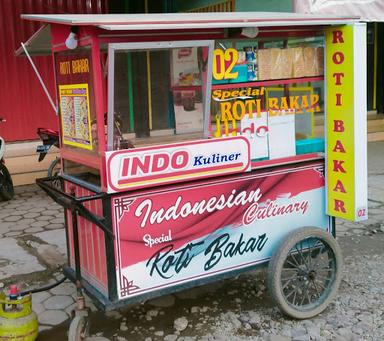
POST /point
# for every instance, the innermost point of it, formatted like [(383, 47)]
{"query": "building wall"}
[(264, 6), (241, 5), (182, 6), (22, 101)]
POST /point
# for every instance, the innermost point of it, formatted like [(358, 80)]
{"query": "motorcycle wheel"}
[(54, 168), (6, 184), (54, 171)]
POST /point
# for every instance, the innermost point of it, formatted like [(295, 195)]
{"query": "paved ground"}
[(32, 250)]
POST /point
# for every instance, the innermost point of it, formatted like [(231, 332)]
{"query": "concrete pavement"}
[(32, 241)]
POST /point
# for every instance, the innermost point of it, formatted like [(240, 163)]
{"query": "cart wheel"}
[(305, 272), (79, 329)]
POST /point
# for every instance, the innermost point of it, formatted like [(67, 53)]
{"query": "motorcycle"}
[(6, 184), (50, 138)]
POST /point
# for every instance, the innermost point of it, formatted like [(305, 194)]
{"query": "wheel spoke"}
[(289, 269), (301, 255), (287, 278), (325, 278), (315, 286), (309, 296), (320, 284), (325, 269), (295, 266), (305, 291), (323, 273), (300, 287), (288, 281), (294, 298), (310, 254), (290, 293), (294, 258), (314, 265)]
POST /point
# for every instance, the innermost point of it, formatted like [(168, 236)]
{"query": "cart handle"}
[(72, 203)]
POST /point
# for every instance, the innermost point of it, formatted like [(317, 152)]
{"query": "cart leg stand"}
[(79, 328)]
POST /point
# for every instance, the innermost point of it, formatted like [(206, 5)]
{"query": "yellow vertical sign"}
[(341, 123)]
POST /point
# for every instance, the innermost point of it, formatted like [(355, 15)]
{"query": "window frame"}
[(207, 85)]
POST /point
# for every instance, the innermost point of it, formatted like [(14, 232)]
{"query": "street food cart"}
[(198, 146)]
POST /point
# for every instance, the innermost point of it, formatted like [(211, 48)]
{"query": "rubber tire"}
[(51, 172), (52, 166), (278, 259), (78, 329), (6, 193)]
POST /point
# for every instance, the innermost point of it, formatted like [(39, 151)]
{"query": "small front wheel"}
[(305, 272), (78, 329)]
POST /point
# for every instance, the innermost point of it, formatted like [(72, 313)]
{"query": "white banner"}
[(154, 166)]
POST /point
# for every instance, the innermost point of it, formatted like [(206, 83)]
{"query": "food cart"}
[(190, 151)]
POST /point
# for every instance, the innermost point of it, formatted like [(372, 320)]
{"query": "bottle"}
[(13, 292)]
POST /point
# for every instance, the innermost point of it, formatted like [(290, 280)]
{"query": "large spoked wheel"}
[(304, 274), (6, 184), (79, 329)]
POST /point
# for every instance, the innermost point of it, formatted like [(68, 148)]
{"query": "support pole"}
[(40, 79)]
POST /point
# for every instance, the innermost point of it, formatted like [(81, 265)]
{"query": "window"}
[(158, 93), (270, 91)]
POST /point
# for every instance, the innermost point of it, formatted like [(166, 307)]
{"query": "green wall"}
[(183, 5), (241, 5), (264, 6), (134, 6)]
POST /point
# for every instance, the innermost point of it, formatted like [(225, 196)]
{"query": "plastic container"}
[(312, 145)]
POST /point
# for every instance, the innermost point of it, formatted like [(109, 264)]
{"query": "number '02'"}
[(220, 60)]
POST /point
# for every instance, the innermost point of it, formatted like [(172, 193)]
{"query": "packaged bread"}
[(298, 62), (310, 61), (282, 60), (276, 63), (319, 61), (264, 64), (286, 63)]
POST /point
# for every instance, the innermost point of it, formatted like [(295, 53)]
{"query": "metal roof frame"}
[(40, 42), (191, 20)]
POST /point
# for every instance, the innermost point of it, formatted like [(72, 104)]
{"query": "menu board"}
[(75, 115)]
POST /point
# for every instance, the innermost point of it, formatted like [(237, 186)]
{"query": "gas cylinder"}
[(17, 320)]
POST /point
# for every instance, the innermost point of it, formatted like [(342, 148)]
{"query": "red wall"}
[(22, 100)]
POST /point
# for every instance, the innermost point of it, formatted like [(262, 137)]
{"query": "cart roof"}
[(40, 42), (190, 20)]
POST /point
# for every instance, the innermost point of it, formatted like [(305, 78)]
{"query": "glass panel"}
[(82, 172), (158, 95), (272, 92)]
